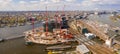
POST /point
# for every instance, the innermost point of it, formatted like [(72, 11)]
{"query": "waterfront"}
[(59, 27), (17, 46)]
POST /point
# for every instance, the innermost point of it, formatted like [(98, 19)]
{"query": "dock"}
[(59, 47)]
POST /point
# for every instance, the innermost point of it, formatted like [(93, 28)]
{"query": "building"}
[(82, 49)]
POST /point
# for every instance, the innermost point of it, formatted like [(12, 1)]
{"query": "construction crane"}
[(46, 21)]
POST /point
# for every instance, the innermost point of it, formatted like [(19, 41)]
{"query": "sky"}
[(33, 5)]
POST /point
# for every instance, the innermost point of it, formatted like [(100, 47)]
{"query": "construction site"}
[(59, 27), (73, 30)]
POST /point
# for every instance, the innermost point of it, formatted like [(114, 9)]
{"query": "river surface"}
[(17, 46), (105, 19), (9, 32)]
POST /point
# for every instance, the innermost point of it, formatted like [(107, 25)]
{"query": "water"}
[(8, 32), (105, 19), (17, 46)]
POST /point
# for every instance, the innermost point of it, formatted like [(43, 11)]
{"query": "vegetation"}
[(17, 20)]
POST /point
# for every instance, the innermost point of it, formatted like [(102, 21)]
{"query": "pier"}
[(58, 47)]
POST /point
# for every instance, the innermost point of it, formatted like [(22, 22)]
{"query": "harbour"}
[(20, 39), (59, 27)]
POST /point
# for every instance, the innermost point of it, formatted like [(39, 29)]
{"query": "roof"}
[(83, 48), (88, 34)]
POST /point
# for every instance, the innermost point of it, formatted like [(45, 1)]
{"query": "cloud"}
[(4, 4), (33, 1), (70, 0), (53, 4), (55, 1), (101, 2), (22, 2), (42, 0)]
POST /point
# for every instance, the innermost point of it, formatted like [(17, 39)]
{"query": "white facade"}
[(82, 49), (89, 35), (108, 43)]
